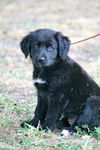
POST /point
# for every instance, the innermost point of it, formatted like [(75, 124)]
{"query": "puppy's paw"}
[(66, 133), (29, 123), (22, 124), (47, 127), (25, 125)]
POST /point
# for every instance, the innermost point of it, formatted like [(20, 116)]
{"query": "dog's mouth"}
[(41, 63), (45, 62)]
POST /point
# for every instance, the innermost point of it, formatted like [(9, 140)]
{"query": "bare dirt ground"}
[(74, 18)]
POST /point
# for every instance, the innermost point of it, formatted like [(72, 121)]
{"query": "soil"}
[(74, 18)]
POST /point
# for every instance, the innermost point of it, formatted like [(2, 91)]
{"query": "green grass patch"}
[(86, 131), (32, 138)]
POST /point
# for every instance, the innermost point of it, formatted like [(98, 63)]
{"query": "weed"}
[(64, 145), (96, 133), (17, 93), (86, 131)]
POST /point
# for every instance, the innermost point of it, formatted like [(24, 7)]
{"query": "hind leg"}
[(91, 113)]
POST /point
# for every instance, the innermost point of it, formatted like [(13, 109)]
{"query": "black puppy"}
[(67, 96)]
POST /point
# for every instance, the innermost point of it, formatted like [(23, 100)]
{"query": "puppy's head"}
[(45, 46)]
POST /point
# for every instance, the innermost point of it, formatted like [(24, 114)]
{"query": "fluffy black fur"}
[(67, 95)]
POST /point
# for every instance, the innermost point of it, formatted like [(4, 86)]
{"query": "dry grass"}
[(77, 19)]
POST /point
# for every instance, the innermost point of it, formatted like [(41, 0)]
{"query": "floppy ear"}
[(25, 45), (63, 45)]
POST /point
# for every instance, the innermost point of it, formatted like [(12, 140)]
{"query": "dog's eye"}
[(35, 46), (49, 48)]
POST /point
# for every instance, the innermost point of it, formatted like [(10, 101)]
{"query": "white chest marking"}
[(38, 80)]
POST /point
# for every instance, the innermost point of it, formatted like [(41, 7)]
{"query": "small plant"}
[(96, 133), (63, 145), (84, 130)]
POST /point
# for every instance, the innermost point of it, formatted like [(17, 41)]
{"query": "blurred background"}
[(77, 19)]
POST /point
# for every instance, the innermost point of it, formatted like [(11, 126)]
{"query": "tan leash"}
[(85, 39)]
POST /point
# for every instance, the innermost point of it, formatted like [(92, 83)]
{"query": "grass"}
[(86, 131), (12, 136), (17, 93)]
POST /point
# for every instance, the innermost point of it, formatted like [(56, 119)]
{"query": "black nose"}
[(41, 59)]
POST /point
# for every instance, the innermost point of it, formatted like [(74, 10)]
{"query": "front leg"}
[(51, 116), (40, 112)]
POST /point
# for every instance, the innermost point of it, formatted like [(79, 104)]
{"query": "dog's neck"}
[(42, 75), (38, 75)]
